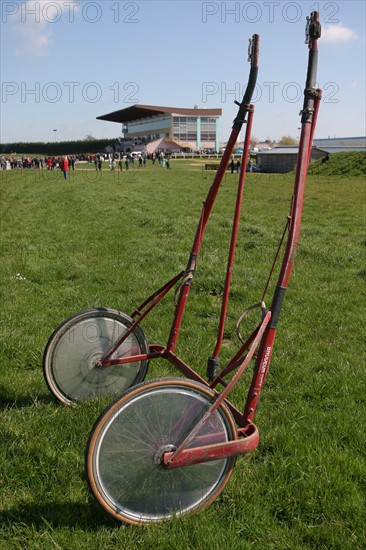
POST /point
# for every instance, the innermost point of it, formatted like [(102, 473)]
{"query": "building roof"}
[(136, 112), (341, 149), (340, 142), (293, 150), (285, 150), (288, 150)]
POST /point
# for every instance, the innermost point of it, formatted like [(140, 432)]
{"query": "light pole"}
[(55, 130)]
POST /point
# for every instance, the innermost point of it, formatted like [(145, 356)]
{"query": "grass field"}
[(111, 239)]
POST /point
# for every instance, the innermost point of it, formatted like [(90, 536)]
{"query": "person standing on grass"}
[(232, 165), (64, 165)]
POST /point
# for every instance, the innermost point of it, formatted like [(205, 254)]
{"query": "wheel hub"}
[(159, 455), (90, 364)]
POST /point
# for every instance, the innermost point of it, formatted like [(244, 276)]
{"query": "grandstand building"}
[(171, 129)]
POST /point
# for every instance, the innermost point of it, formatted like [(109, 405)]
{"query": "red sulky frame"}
[(263, 336)]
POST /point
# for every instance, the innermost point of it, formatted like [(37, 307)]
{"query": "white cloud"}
[(338, 33), (35, 20), (35, 39)]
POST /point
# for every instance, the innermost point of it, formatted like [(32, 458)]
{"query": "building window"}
[(185, 128), (208, 128)]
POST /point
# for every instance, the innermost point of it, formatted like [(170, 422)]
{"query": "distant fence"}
[(200, 156)]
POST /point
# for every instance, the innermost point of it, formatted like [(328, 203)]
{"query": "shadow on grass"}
[(58, 515), (11, 401)]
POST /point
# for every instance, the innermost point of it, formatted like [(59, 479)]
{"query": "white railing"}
[(196, 155)]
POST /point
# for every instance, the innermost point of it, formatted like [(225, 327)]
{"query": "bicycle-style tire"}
[(74, 348), (125, 446)]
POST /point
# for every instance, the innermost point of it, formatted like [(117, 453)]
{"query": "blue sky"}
[(65, 62)]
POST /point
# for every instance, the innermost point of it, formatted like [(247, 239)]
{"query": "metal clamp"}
[(313, 29), (307, 30), (250, 49)]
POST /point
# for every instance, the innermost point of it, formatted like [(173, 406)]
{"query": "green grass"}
[(112, 239), (345, 164)]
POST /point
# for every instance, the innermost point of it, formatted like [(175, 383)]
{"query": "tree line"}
[(56, 148)]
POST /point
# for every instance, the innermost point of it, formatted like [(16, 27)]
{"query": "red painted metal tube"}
[(157, 294), (244, 108), (187, 371), (308, 121), (131, 359), (223, 395), (235, 361), (191, 267), (234, 233), (217, 451), (206, 211), (296, 211), (259, 374), (315, 118), (153, 300)]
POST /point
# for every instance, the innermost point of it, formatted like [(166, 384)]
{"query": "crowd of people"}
[(123, 161), (114, 161), (36, 163), (120, 161), (235, 165)]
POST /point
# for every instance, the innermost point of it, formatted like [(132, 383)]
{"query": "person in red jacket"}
[(65, 166)]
